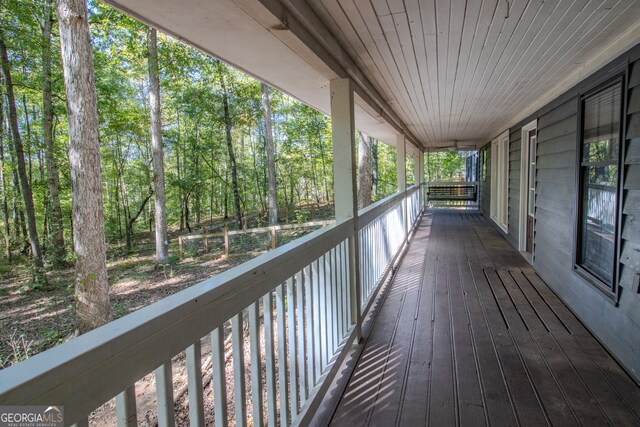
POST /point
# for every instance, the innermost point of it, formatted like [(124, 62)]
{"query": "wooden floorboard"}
[(468, 334)]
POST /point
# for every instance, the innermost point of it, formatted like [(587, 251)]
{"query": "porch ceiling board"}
[(466, 70)]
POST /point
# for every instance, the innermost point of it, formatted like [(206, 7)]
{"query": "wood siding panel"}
[(634, 100), (632, 180), (631, 228), (562, 112), (634, 74), (564, 175), (561, 144), (563, 127), (557, 161), (633, 128), (631, 255), (632, 202), (633, 151)]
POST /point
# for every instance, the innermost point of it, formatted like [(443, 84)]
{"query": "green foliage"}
[(449, 165)]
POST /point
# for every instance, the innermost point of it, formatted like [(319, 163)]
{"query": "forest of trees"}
[(445, 165), (110, 131)]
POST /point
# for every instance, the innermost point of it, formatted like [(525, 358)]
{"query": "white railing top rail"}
[(94, 367), (371, 212)]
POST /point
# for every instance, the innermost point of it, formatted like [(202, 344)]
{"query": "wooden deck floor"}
[(469, 335)]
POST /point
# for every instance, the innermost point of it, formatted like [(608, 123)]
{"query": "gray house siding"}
[(616, 325)]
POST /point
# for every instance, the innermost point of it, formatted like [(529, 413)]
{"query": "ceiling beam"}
[(298, 18)]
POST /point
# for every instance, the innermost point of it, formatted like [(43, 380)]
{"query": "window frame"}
[(609, 289), (499, 204)]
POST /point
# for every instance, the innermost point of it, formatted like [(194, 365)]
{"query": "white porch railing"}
[(302, 294)]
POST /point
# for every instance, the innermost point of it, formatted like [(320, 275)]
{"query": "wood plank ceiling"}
[(465, 70)]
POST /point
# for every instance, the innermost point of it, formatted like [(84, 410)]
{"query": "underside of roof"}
[(444, 73)]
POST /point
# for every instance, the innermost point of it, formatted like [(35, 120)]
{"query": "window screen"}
[(600, 150)]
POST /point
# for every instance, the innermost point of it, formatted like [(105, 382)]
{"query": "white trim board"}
[(524, 191), (499, 202)]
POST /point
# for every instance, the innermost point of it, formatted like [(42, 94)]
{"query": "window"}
[(598, 180), (500, 180), (531, 200)]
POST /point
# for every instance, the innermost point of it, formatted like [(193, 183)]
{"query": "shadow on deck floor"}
[(468, 334)]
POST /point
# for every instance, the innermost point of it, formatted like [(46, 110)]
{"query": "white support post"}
[(401, 159), (420, 176), (344, 178)]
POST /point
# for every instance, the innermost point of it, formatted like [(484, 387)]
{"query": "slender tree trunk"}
[(162, 242), (256, 174), (186, 212), (364, 170), (374, 166), (272, 199), (232, 157), (226, 194), (133, 219), (28, 141), (3, 187), (56, 236), (91, 283), (324, 168), (38, 272)]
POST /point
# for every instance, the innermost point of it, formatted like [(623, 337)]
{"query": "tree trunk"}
[(272, 200), (232, 157), (162, 242), (364, 170), (374, 166), (324, 167), (3, 187), (56, 236), (28, 141), (132, 220), (91, 283), (38, 273)]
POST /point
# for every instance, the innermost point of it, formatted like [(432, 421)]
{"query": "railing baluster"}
[(302, 370), (339, 287), (293, 355), (194, 383), (269, 354), (126, 413), (319, 335), (239, 389), (328, 285), (164, 395), (346, 284), (334, 296), (326, 302), (219, 379), (282, 356), (309, 314), (256, 363)]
